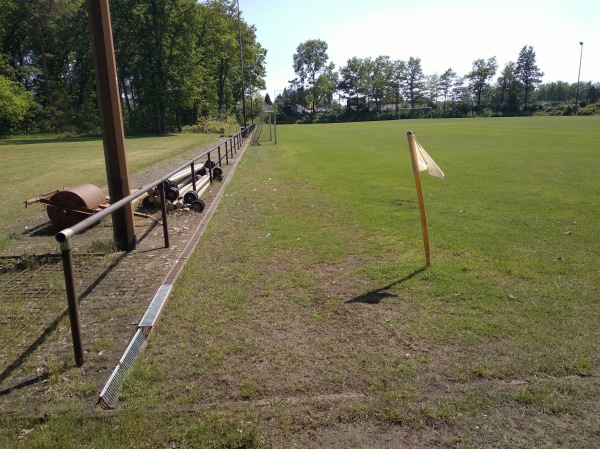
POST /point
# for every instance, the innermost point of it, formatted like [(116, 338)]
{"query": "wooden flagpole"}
[(412, 145)]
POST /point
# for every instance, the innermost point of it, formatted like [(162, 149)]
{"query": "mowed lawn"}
[(32, 165), (306, 317)]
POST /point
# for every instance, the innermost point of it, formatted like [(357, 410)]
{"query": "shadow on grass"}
[(46, 140), (43, 230), (29, 351), (376, 296), (22, 358)]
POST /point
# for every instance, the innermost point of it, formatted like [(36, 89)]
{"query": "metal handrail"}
[(64, 237)]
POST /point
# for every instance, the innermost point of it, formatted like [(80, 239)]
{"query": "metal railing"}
[(231, 146)]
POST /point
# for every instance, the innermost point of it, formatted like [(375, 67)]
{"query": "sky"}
[(443, 33)]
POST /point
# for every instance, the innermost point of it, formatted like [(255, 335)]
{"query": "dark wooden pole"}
[(111, 120)]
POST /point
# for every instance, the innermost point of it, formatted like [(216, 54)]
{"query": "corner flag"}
[(421, 161), (427, 164)]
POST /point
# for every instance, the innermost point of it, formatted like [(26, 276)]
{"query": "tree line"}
[(382, 87), (177, 62)]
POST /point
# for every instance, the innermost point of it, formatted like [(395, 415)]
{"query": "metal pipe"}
[(186, 188), (192, 195), (73, 304), (199, 205)]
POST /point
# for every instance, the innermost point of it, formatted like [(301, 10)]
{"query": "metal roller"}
[(68, 207)]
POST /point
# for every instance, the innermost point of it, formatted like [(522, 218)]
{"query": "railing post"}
[(226, 154), (209, 168), (163, 210), (193, 176), (73, 304), (219, 153)]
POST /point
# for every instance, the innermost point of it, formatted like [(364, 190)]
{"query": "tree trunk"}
[(221, 86), (125, 94), (161, 118), (44, 65)]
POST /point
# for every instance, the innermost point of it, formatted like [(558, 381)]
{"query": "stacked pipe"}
[(182, 191)]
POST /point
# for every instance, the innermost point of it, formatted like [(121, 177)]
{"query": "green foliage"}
[(381, 89), (16, 105), (213, 125), (310, 61), (177, 61)]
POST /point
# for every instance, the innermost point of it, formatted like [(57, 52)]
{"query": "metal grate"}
[(149, 318), (109, 393)]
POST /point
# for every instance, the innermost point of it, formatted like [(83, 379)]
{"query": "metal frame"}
[(65, 236)]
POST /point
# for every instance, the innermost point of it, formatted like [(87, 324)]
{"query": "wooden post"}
[(111, 119), (412, 145)]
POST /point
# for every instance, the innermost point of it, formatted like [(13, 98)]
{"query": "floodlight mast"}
[(242, 68), (578, 76)]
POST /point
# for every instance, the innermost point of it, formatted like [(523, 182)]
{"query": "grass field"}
[(306, 318), (30, 166)]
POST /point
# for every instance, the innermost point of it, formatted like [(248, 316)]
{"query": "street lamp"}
[(578, 76)]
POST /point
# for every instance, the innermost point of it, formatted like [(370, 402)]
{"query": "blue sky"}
[(443, 33)]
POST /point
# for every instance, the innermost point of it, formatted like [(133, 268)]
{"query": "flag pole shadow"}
[(376, 296)]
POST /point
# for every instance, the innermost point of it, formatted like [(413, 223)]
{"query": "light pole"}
[(242, 68), (578, 76)]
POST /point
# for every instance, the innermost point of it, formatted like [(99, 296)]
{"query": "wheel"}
[(172, 194), (198, 205), (190, 197)]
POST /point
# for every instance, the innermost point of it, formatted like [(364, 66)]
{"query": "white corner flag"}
[(421, 161), (427, 164)]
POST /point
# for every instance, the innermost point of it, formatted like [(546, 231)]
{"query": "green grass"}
[(32, 165), (306, 311)]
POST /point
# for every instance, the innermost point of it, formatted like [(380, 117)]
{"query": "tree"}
[(352, 79), (268, 99), (414, 80), (433, 88), (309, 61), (398, 71), (509, 88), (380, 79), (483, 71), (15, 104), (527, 71), (325, 85), (446, 82)]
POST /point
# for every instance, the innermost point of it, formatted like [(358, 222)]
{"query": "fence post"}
[(219, 153), (73, 304), (226, 154), (209, 169), (193, 176), (163, 210)]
